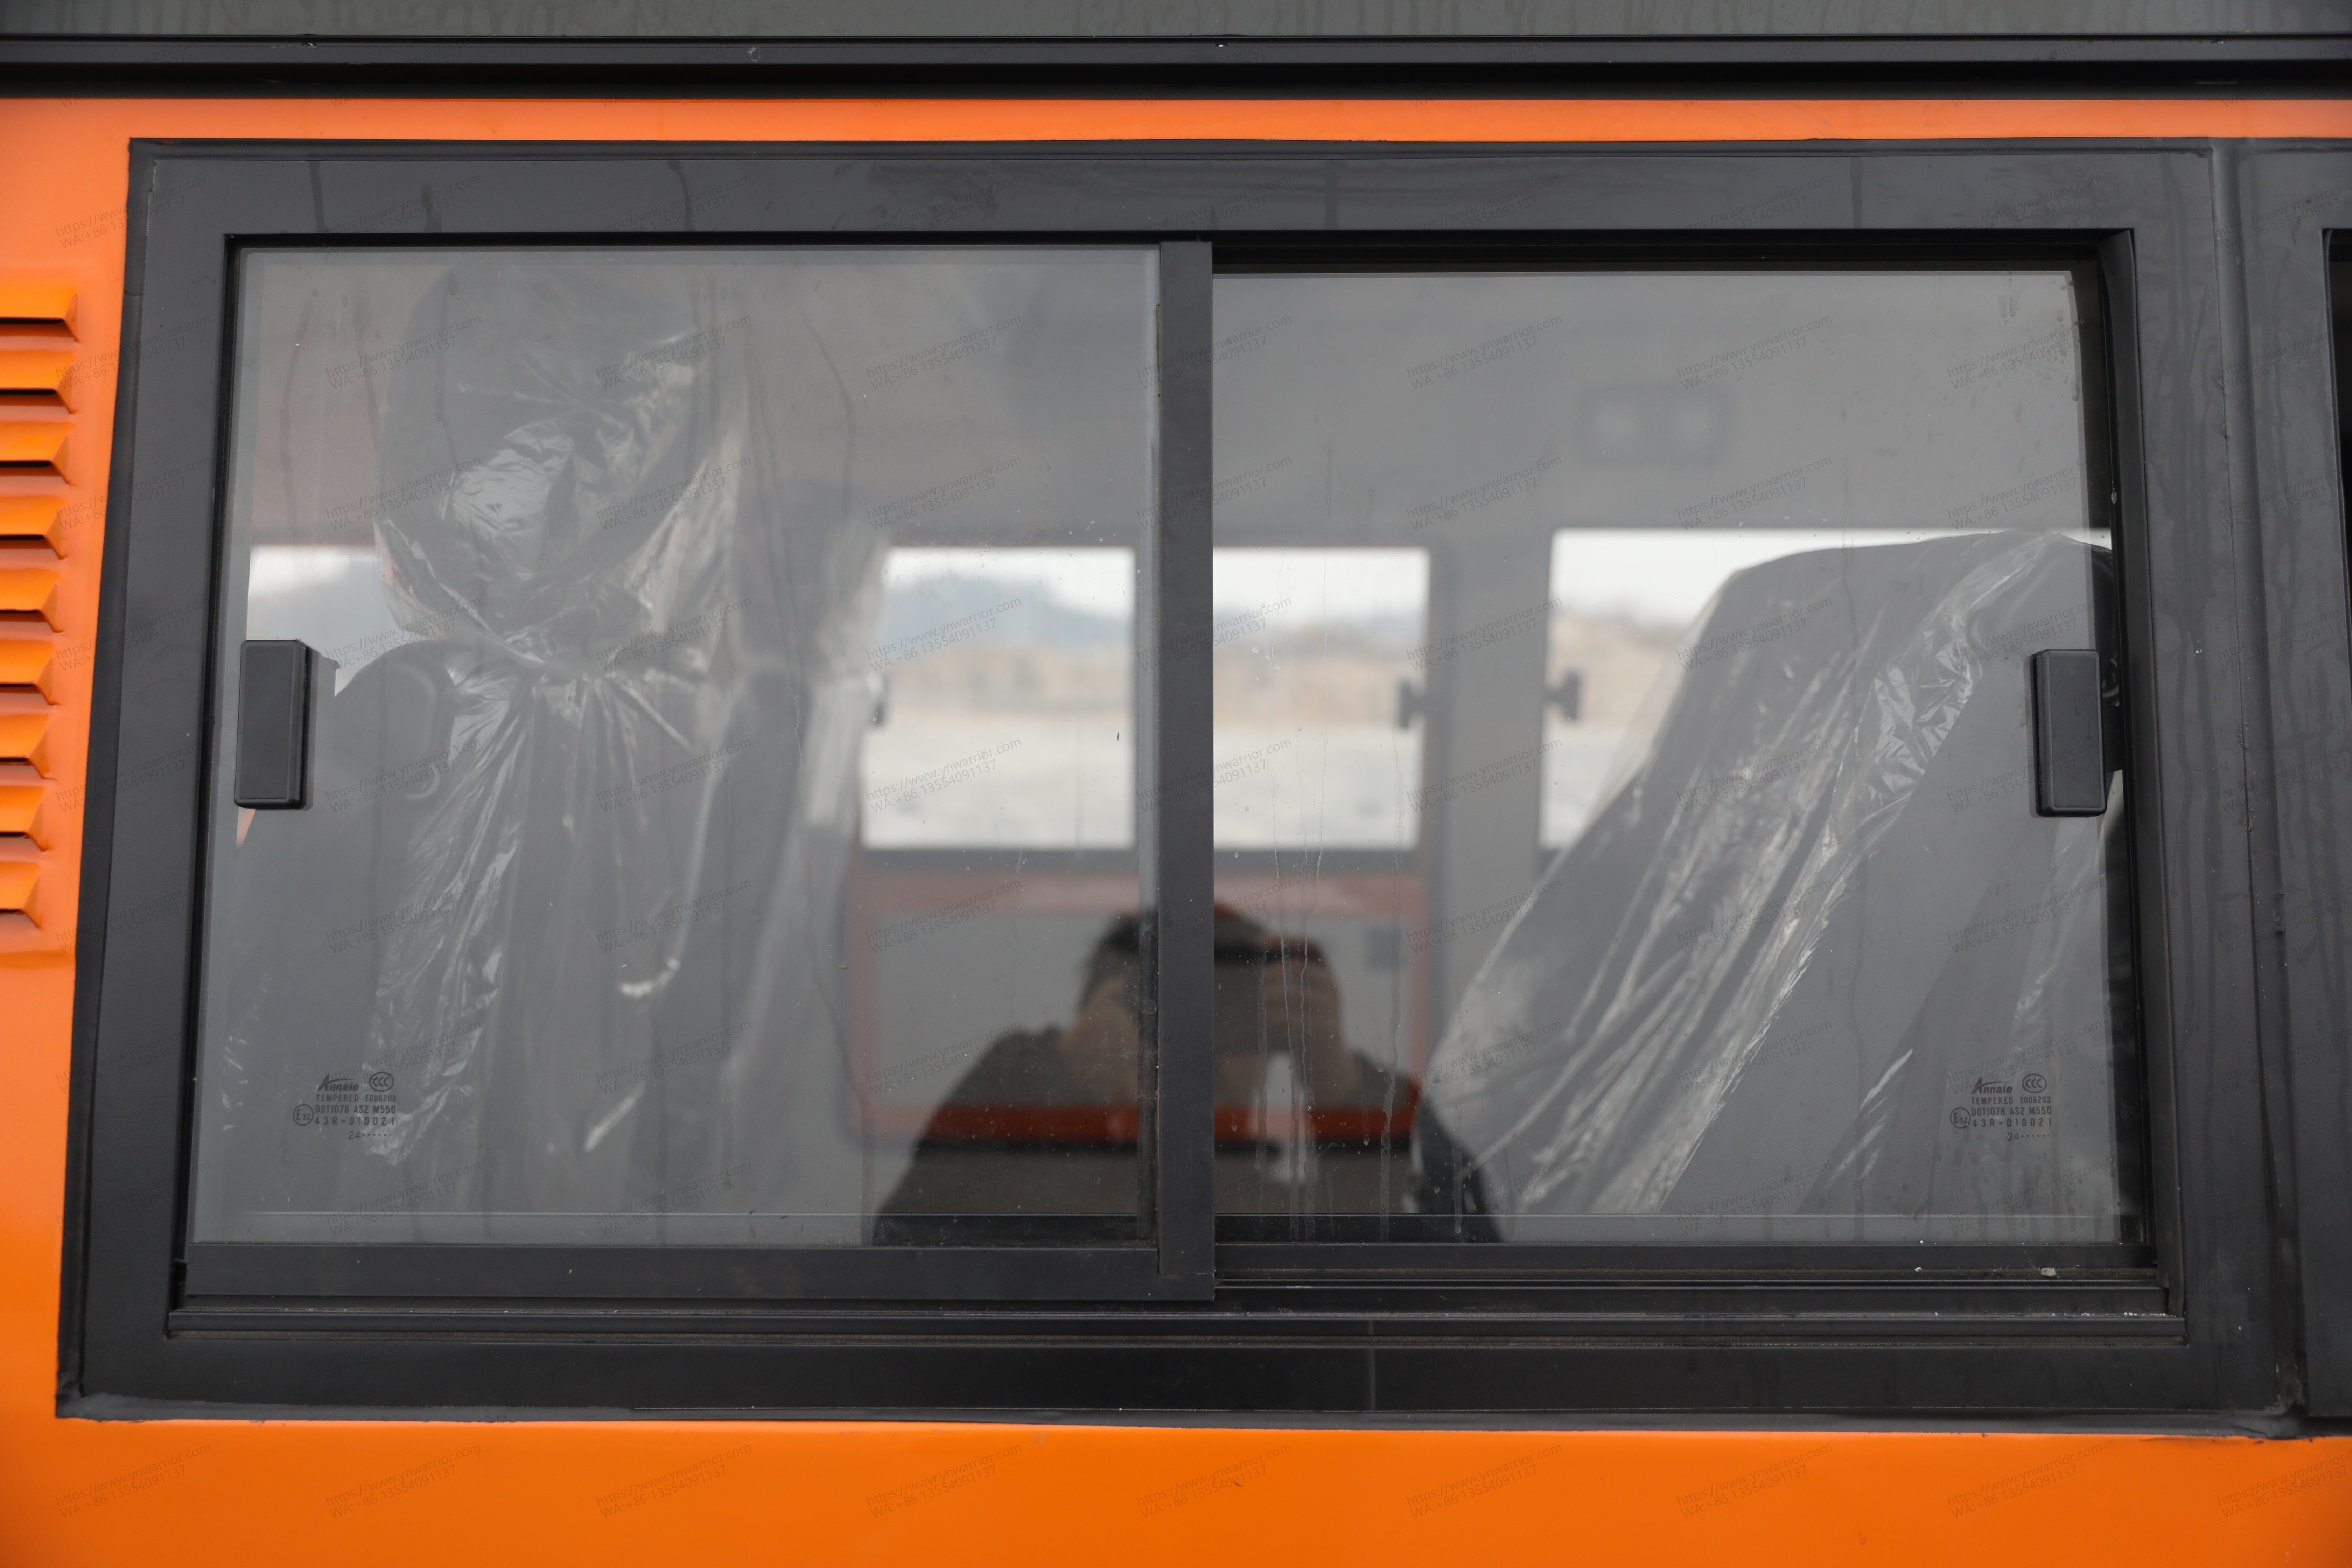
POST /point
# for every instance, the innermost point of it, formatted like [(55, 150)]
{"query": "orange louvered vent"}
[(41, 719)]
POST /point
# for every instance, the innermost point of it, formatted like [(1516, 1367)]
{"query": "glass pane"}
[(1732, 917), (1317, 742), (1318, 810), (730, 681), (1003, 713)]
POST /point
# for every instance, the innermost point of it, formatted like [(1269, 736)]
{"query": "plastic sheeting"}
[(1815, 970), (557, 952)]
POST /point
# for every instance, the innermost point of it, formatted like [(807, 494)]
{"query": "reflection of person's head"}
[(1103, 1048), (1239, 942), (1276, 994), (1118, 957)]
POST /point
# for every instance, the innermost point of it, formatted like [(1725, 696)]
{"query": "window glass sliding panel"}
[(1319, 747), (1767, 875), (699, 641), (1003, 713)]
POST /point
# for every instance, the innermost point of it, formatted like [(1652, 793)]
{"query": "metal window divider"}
[(1179, 878)]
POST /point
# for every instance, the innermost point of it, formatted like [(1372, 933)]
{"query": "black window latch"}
[(277, 686), (2071, 750)]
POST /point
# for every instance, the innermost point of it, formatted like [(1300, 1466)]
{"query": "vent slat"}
[(32, 518), (28, 661), (30, 591), (21, 813), (37, 306), (36, 449), (37, 378), (25, 738)]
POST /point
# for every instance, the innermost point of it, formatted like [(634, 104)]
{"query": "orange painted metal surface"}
[(22, 812), (28, 661), (32, 517), (37, 377), (33, 450), (43, 308), (31, 591), (256, 1492), (17, 879), (25, 738)]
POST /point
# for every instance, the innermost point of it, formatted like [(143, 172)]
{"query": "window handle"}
[(1566, 695), (1411, 702), (276, 685), (2069, 732)]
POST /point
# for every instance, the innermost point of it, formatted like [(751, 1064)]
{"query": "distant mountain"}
[(1390, 630), (997, 609)]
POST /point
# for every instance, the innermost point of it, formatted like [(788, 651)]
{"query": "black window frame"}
[(1933, 47), (2286, 212), (2199, 1320)]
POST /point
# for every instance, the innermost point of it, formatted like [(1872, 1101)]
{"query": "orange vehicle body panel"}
[(402, 1492)]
